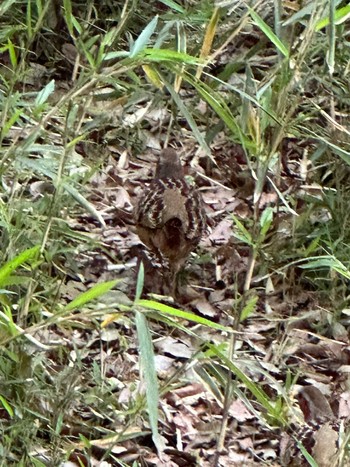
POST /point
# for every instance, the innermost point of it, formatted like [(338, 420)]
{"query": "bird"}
[(169, 215)]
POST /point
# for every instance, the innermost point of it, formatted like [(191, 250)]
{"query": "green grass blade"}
[(6, 5), (306, 454), (175, 6), (152, 305), (188, 116), (249, 308), (142, 41), (265, 28), (45, 93), (6, 406), (140, 282), (173, 56), (332, 38), (114, 55), (242, 233), (29, 20), (10, 122), (326, 262), (68, 15), (91, 294), (150, 376), (12, 54), (257, 392), (340, 15), (84, 202), (218, 104), (27, 256)]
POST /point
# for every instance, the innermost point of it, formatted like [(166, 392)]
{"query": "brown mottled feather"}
[(169, 215)]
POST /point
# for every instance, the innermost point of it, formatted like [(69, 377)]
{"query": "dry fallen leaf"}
[(173, 347), (325, 449)]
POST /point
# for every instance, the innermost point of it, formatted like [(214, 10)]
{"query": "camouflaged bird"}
[(169, 215)]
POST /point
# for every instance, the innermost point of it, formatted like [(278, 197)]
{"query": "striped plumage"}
[(169, 215)]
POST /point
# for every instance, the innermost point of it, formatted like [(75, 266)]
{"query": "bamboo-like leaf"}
[(188, 116), (340, 15), (29, 20), (68, 15), (249, 308), (8, 327), (140, 282), (332, 39), (326, 262), (45, 166), (181, 46), (84, 202), (175, 6), (6, 5), (242, 233), (26, 256), (265, 221), (254, 388), (77, 25), (265, 28), (282, 197), (12, 120), (244, 95), (153, 76), (44, 94), (91, 294), (150, 376), (345, 155), (152, 305), (143, 39), (39, 6), (250, 88), (6, 406), (88, 55), (167, 55), (114, 55), (215, 100), (300, 14), (209, 37), (12, 54)]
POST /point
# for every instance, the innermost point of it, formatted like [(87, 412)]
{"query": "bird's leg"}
[(173, 277), (173, 284)]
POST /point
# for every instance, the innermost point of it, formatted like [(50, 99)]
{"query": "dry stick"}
[(249, 274)]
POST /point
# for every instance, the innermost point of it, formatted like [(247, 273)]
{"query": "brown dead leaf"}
[(325, 449), (204, 307), (314, 405), (344, 405), (239, 411), (267, 199), (189, 390), (173, 347), (122, 199), (70, 52), (222, 232), (163, 364)]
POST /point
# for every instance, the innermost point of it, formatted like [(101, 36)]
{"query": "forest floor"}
[(249, 364)]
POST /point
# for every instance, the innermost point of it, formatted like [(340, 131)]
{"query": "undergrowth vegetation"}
[(256, 96)]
